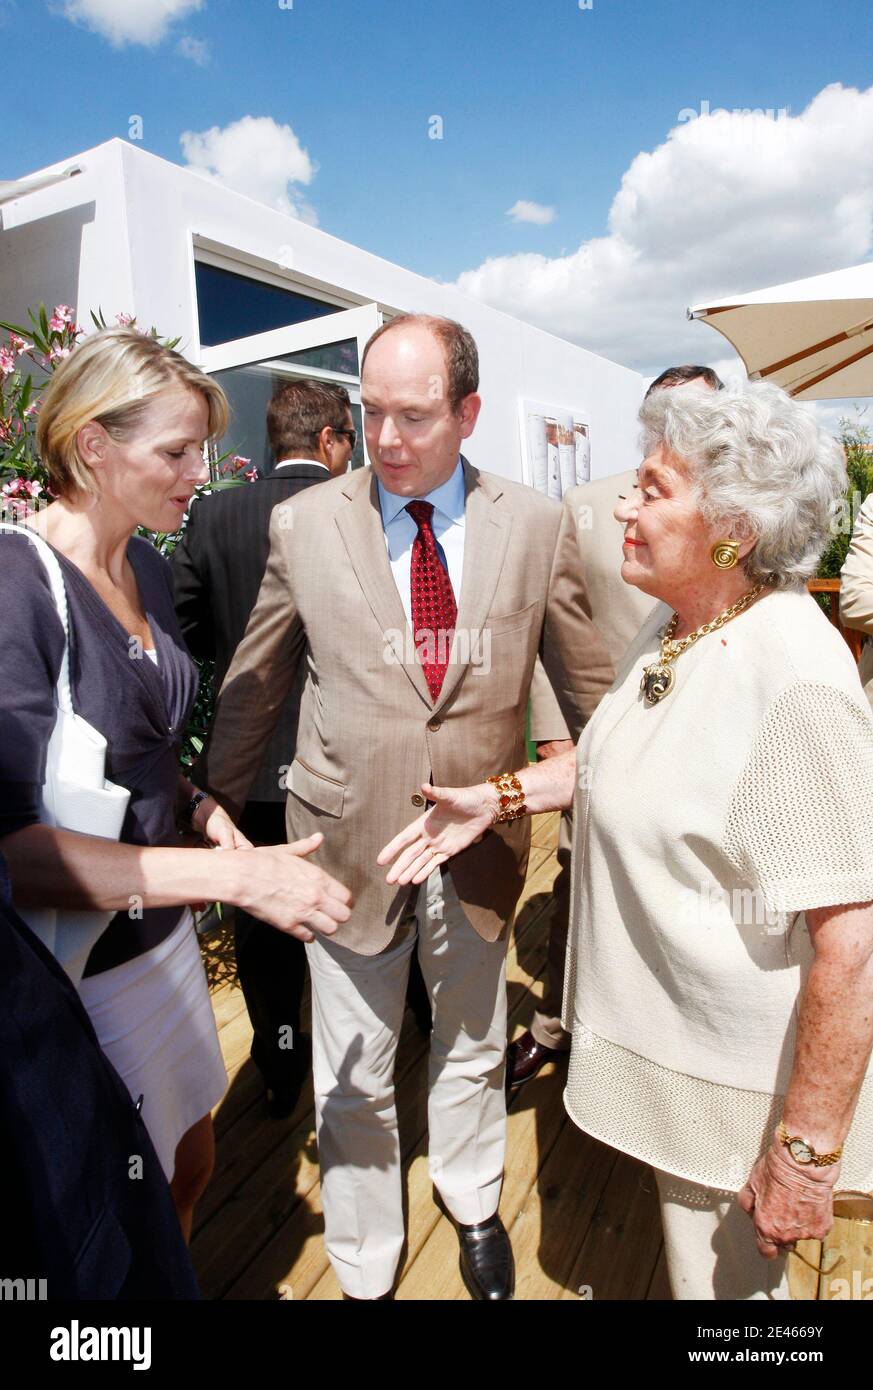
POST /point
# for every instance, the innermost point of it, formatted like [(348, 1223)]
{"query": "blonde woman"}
[(721, 970), (121, 432)]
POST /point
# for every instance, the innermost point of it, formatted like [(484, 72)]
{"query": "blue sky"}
[(541, 102)]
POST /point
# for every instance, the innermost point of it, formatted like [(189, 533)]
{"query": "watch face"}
[(800, 1152)]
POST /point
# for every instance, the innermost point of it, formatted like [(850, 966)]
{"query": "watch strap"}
[(817, 1160)]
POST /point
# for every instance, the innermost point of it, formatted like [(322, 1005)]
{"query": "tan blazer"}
[(369, 732), (856, 589), (591, 540)]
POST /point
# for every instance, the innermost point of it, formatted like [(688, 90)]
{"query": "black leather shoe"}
[(487, 1264), (525, 1057)]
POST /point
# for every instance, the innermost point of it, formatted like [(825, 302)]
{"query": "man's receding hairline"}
[(411, 328)]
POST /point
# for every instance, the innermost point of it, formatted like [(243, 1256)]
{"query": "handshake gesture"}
[(279, 884)]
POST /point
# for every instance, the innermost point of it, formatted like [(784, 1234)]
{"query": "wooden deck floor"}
[(579, 1215)]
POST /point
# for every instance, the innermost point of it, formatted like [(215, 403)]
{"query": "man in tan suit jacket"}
[(856, 589), (342, 581), (591, 541)]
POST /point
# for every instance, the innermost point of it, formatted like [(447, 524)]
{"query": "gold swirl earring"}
[(725, 554)]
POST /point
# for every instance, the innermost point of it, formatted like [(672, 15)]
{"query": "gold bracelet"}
[(510, 796), (802, 1151)]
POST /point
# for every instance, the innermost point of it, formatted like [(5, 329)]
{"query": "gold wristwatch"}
[(802, 1151)]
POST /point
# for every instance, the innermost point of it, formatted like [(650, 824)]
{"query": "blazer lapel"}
[(486, 536), (360, 525)]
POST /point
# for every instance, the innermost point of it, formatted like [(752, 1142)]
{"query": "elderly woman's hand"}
[(458, 817), (787, 1203)]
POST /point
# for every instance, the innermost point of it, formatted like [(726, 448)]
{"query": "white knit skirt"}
[(154, 1020)]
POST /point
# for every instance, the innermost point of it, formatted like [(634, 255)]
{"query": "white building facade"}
[(257, 296)]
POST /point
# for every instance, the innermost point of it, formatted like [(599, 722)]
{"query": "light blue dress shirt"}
[(448, 529)]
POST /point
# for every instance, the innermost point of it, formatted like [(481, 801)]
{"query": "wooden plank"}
[(618, 1255), (227, 1003), (553, 1220), (281, 1181), (803, 1282), (544, 829)]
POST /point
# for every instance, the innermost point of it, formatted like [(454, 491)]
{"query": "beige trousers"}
[(357, 1011), (710, 1245)]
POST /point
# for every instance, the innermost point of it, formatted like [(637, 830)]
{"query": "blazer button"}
[(434, 724), (417, 799)]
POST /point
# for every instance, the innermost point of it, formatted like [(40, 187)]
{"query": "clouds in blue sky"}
[(197, 50), (130, 21), (537, 213), (585, 214), (255, 156), (729, 202)]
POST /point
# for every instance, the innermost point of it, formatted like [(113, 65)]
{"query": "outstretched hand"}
[(284, 888), (458, 817)]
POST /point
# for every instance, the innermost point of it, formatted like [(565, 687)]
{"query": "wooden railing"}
[(831, 589)]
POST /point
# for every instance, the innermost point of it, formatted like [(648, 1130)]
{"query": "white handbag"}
[(76, 794)]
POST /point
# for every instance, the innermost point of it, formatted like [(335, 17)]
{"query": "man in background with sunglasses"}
[(217, 570)]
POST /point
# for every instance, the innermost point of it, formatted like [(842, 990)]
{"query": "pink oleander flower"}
[(251, 474), (33, 488), (31, 409), (124, 320), (237, 462), (57, 354), (7, 362), (14, 487), (62, 318), (19, 345)]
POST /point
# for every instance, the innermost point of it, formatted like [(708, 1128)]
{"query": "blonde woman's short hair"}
[(112, 376)]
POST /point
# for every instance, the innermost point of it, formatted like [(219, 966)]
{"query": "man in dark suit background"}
[(217, 568)]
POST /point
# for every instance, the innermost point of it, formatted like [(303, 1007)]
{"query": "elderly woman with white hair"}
[(721, 958)]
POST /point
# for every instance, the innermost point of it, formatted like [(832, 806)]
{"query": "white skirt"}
[(154, 1020)]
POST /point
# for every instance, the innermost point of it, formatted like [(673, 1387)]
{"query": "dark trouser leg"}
[(271, 968), (546, 1027)]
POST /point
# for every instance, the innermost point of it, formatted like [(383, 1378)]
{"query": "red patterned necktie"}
[(434, 610)]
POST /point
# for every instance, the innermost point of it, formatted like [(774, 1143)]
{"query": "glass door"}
[(250, 370)]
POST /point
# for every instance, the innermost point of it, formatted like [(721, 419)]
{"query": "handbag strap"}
[(59, 594)]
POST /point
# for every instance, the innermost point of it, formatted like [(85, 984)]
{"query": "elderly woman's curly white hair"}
[(760, 466)]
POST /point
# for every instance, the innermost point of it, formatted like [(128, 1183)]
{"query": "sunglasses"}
[(351, 436)]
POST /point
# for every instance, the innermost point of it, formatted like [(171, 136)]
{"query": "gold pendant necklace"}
[(659, 678)]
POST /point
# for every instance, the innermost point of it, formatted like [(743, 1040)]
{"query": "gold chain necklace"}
[(659, 678)]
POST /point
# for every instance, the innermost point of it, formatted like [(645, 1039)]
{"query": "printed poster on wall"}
[(555, 448)]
